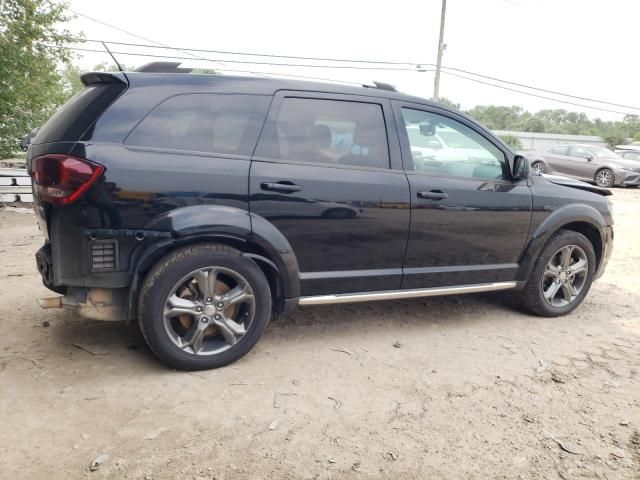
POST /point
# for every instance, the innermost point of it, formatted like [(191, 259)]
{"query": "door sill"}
[(399, 294)]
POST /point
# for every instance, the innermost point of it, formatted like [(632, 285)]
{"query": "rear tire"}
[(538, 167), (203, 306), (552, 275)]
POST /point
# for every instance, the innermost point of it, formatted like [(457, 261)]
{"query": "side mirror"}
[(521, 167)]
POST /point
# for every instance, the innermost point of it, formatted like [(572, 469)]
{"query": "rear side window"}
[(210, 123), (79, 113), (327, 131)]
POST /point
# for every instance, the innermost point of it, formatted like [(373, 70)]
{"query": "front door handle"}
[(433, 195), (282, 187)]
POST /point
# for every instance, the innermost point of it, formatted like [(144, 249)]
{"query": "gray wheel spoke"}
[(551, 271), (239, 294), (206, 280), (230, 329), (552, 291), (194, 336), (579, 267), (180, 306), (565, 256), (569, 291)]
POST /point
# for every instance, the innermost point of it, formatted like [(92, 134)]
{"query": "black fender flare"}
[(211, 223), (563, 216)]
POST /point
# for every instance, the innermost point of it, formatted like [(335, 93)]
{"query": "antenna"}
[(114, 58)]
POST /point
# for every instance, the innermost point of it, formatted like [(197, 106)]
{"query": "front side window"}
[(559, 150), (579, 152), (444, 146), (211, 123), (327, 131)]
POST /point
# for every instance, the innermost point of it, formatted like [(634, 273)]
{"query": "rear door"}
[(558, 159), (328, 175), (469, 220)]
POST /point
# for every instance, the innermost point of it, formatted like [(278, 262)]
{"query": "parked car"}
[(200, 206), (588, 163), (26, 140), (630, 154)]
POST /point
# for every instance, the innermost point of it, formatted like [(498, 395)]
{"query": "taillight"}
[(62, 179)]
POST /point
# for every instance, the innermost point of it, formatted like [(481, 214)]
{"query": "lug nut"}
[(217, 317), (204, 319), (208, 299), (199, 309), (220, 305)]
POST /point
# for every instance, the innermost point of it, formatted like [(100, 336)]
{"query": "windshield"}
[(602, 152)]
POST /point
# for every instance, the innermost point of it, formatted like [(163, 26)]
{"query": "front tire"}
[(562, 275), (604, 178), (203, 306)]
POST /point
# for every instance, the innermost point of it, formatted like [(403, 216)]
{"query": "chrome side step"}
[(399, 294)]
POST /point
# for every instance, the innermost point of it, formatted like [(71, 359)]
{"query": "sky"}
[(586, 48)]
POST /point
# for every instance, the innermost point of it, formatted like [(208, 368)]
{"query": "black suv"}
[(200, 205)]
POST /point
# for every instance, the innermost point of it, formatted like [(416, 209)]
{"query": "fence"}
[(15, 186)]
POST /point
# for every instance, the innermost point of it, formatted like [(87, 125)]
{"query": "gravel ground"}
[(452, 387)]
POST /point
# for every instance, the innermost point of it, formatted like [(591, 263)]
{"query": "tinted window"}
[(559, 150), (327, 131), (79, 113), (225, 124), (445, 146)]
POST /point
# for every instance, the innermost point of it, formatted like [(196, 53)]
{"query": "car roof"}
[(268, 86)]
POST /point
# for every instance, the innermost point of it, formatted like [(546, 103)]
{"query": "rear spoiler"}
[(91, 78)]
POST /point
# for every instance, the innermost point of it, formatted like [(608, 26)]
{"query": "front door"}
[(328, 176), (582, 163), (469, 220)]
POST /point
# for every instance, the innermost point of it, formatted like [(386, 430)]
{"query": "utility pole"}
[(441, 47)]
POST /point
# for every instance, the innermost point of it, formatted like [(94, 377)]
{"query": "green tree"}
[(613, 139), (449, 103), (513, 141), (32, 51)]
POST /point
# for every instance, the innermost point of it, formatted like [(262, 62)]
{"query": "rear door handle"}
[(282, 187), (433, 195)]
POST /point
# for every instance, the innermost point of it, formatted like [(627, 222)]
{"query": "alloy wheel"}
[(604, 178), (538, 167), (209, 310), (565, 276)]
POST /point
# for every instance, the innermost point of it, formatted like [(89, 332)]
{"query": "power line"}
[(417, 66), (541, 89), (534, 94), (128, 33), (273, 64), (253, 54), (261, 73)]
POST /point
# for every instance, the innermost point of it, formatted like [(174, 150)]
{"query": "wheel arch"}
[(583, 219), (255, 237)]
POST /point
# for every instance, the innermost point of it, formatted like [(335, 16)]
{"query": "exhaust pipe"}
[(50, 302)]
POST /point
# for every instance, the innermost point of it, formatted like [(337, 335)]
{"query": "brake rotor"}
[(189, 292)]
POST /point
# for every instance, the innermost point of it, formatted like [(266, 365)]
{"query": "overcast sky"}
[(587, 48)]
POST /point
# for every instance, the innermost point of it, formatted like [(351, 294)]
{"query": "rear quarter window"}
[(209, 123), (76, 116)]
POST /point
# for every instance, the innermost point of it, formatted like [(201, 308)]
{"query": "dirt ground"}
[(452, 387)]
